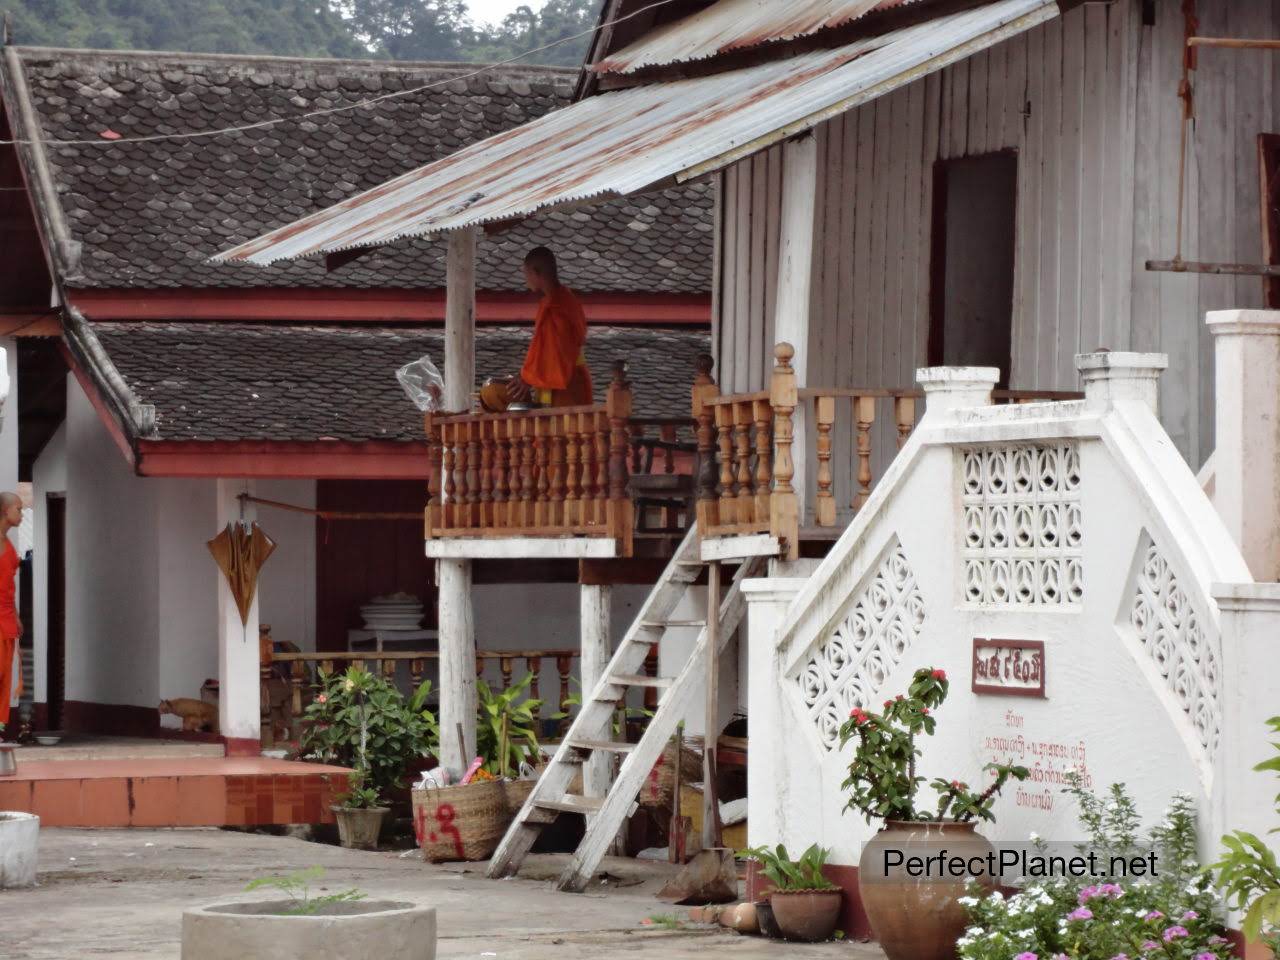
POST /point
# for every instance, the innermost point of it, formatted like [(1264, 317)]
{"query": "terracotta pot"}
[(806, 915), (917, 918), (359, 829), (768, 923)]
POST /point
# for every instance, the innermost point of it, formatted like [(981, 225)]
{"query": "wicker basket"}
[(460, 822), (659, 787)]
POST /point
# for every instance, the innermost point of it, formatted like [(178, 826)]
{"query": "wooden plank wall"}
[(1089, 102)]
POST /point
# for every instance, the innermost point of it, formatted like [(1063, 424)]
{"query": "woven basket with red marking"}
[(460, 822)]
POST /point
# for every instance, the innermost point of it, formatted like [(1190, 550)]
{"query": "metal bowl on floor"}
[(48, 739)]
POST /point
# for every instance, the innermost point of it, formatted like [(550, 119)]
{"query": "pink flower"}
[(1174, 933), (887, 704), (1191, 915), (1027, 955), (1206, 956), (939, 674), (925, 711), (1120, 956), (322, 699), (1149, 946), (1154, 915), (1217, 941), (1080, 913), (1086, 894)]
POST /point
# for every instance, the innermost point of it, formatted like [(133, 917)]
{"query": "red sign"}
[(1012, 668)]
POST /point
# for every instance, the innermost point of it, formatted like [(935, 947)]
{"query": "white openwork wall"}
[(1074, 527)]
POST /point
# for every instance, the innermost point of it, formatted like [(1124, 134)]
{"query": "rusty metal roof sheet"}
[(730, 25), (631, 140)]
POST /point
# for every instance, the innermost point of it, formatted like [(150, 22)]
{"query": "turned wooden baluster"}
[(728, 475), (784, 507), (762, 414), (500, 447), (555, 509), (669, 434), (573, 468), (462, 510), (619, 507), (603, 490), (564, 666), (534, 666), (742, 421), (417, 667), (450, 512), (297, 677), (435, 461), (587, 443), (527, 470), (388, 669), (637, 431), (473, 474), (825, 508), (506, 665), (487, 430), (705, 390), (904, 411), (864, 412), (542, 461), (514, 485)]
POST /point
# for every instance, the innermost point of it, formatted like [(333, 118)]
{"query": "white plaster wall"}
[(1105, 705), (112, 567), (186, 594), (287, 584), (48, 475)]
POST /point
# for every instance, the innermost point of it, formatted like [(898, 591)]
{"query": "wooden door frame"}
[(55, 656), (1269, 183)]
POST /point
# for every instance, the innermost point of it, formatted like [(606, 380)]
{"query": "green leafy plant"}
[(790, 875), (882, 779), (619, 716), (297, 886), (360, 794), (361, 720), (507, 730), (1249, 874)]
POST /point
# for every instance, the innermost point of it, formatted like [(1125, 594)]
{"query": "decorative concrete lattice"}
[(847, 668), (1180, 642), (1022, 524)]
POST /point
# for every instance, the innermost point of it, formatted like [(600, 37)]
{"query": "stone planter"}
[(19, 843), (8, 760), (917, 918), (359, 829), (807, 916), (340, 931)]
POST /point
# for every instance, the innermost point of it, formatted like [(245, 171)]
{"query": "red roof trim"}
[(371, 306), (321, 460)]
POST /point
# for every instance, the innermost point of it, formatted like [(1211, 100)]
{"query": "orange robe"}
[(555, 366), (10, 681)]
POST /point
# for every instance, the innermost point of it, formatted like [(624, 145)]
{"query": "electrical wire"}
[(365, 103)]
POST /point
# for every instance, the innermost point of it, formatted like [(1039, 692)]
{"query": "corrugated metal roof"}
[(730, 25), (623, 142)]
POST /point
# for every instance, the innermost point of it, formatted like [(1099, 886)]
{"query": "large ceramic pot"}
[(19, 844), (358, 829), (339, 931), (8, 760), (917, 917), (806, 915)]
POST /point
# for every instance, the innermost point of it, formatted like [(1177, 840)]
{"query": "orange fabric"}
[(578, 392), (8, 628), (559, 332)]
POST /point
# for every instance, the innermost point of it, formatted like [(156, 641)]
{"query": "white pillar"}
[(1243, 798), (239, 682), (597, 646), (1121, 377), (795, 280), (1246, 489), (768, 774), (457, 665), (953, 388), (460, 321)]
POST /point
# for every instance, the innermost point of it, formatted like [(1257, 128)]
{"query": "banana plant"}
[(506, 733)]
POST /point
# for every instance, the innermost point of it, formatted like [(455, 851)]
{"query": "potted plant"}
[(804, 903), (360, 813), (913, 917), (303, 926)]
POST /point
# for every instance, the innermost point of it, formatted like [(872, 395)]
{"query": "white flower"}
[(1035, 837), (967, 901)]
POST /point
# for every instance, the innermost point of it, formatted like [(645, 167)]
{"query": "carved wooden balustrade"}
[(553, 472), (747, 460)]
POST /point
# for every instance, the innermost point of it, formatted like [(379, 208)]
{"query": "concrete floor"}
[(121, 893)]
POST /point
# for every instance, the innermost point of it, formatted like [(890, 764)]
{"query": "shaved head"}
[(8, 499), (543, 262)]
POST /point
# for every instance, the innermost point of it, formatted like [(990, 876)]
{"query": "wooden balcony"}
[(747, 456)]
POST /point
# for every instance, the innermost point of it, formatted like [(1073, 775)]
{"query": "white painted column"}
[(239, 682), (1112, 377), (453, 577), (795, 281), (1243, 798), (1246, 490), (769, 776), (953, 388), (596, 631)]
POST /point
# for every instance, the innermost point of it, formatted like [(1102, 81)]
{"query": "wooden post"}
[(712, 726), (825, 507), (460, 320), (784, 515), (795, 279), (618, 405), (704, 389), (864, 412), (596, 639), (457, 664), (904, 411)]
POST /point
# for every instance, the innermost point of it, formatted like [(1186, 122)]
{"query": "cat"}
[(195, 714)]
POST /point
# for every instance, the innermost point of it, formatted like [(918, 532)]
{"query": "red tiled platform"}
[(172, 792)]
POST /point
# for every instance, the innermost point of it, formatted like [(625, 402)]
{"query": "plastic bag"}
[(422, 383)]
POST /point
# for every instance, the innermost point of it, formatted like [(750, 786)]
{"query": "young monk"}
[(10, 625), (555, 370)]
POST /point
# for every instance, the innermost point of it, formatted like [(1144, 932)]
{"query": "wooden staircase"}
[(591, 730)]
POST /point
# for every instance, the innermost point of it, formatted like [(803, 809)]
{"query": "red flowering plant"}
[(882, 779)]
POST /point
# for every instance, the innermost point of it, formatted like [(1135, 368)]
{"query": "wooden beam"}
[(1234, 43), (512, 548), (30, 325), (1199, 266), (643, 571), (710, 813)]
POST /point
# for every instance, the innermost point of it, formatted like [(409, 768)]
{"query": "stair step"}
[(639, 680), (571, 803), (612, 746), (662, 624)]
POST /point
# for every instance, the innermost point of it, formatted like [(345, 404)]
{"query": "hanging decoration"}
[(240, 551)]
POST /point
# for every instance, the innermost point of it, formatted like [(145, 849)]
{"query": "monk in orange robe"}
[(555, 370), (10, 625)]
